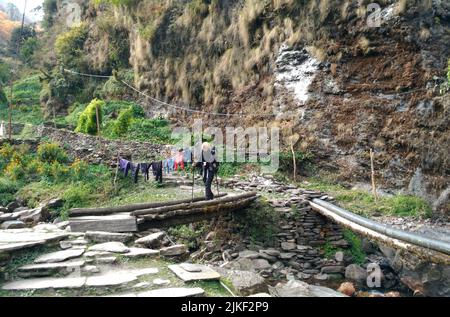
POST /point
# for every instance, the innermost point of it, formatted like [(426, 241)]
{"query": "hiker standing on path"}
[(209, 166)]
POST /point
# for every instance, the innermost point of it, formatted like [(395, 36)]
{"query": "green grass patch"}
[(363, 203)]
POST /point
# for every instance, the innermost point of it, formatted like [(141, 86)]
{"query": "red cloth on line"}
[(179, 162)]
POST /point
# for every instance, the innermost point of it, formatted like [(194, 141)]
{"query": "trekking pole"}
[(217, 184), (193, 174)]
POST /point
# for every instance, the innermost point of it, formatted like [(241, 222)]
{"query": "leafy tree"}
[(28, 48), (5, 73), (69, 47), (18, 38), (87, 123), (50, 7)]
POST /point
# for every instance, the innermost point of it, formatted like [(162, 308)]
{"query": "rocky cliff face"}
[(320, 67)]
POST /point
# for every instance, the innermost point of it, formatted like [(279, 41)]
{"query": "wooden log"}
[(185, 219), (113, 223), (225, 207), (192, 205), (75, 212)]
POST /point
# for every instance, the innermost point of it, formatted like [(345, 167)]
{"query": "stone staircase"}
[(85, 265)]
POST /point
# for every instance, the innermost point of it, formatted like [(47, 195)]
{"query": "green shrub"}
[(259, 222), (69, 46), (7, 190), (188, 234), (410, 206), (301, 159), (123, 122), (51, 152), (355, 250), (87, 122), (154, 130), (77, 195)]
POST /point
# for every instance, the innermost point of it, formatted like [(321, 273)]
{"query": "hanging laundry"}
[(169, 165), (145, 167), (187, 156), (124, 166), (157, 168), (179, 164), (135, 171)]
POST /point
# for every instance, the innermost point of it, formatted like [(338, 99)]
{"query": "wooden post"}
[(117, 169), (294, 160), (10, 108), (372, 169), (98, 120)]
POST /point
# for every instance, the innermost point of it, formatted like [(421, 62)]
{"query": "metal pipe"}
[(437, 245)]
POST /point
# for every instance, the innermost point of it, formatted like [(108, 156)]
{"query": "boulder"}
[(12, 205), (294, 288), (356, 273), (261, 264), (244, 282), (4, 210), (12, 224), (153, 240)]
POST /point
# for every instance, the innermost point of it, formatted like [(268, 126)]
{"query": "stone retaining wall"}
[(98, 150)]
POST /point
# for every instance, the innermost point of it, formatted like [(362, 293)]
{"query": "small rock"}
[(261, 264), (160, 282), (356, 273), (347, 288), (142, 285), (288, 246), (173, 250), (65, 245), (91, 269), (248, 254), (333, 269), (153, 240)]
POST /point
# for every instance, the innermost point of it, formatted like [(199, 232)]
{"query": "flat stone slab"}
[(111, 279), (45, 283), (142, 272), (16, 239), (174, 250), (173, 292), (194, 272), (95, 254), (114, 247), (103, 236), (141, 253), (60, 256), (69, 265)]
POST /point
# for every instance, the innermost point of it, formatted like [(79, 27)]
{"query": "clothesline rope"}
[(168, 104)]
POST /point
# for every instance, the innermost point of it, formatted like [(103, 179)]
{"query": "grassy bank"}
[(364, 203)]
